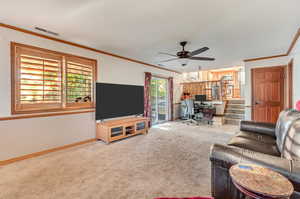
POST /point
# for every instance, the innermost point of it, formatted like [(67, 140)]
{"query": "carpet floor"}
[(171, 161)]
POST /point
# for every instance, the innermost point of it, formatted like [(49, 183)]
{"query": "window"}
[(79, 81), (44, 80)]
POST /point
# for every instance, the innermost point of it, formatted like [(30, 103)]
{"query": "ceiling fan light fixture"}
[(184, 56), (183, 61)]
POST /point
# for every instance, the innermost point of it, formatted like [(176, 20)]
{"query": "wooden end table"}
[(260, 183)]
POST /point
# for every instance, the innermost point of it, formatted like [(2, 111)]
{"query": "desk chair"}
[(187, 111)]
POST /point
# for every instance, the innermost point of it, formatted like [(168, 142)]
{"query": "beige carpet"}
[(172, 160)]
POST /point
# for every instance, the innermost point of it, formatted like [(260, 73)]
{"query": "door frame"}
[(290, 68), (252, 87)]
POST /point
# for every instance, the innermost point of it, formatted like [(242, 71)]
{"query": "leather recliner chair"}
[(273, 146)]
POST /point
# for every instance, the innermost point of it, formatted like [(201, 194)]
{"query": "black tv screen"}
[(117, 100), (201, 98)]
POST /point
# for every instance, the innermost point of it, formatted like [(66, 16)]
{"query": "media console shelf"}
[(112, 130)]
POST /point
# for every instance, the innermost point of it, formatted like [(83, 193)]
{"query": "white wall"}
[(258, 64), (25, 136), (296, 78), (296, 73), (295, 55)]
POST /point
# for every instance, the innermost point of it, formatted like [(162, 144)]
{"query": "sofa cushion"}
[(291, 147), (258, 137), (258, 127), (255, 145), (283, 125)]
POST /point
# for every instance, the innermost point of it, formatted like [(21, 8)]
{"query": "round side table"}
[(260, 183)]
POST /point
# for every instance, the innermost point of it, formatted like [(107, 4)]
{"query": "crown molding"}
[(263, 58), (296, 37), (83, 47), (292, 45)]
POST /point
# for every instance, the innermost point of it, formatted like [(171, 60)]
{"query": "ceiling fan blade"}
[(162, 53), (169, 60), (202, 58), (196, 52)]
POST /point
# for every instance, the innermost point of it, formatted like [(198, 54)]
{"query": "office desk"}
[(204, 113)]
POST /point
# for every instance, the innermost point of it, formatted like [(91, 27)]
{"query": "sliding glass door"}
[(159, 100)]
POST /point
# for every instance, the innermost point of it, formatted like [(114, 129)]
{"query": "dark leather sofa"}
[(273, 146)]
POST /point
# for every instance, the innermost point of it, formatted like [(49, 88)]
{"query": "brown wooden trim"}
[(197, 82), (290, 67), (269, 67), (44, 115), (252, 96), (160, 76), (82, 46), (56, 110), (296, 37), (292, 45), (12, 78), (57, 53), (263, 58), (32, 155)]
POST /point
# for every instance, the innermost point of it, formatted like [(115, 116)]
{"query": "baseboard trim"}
[(32, 155)]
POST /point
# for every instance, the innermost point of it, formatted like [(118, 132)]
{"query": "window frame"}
[(79, 105), (18, 108)]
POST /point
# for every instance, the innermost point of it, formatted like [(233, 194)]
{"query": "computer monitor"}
[(200, 98)]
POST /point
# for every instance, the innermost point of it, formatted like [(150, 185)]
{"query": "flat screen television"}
[(117, 100)]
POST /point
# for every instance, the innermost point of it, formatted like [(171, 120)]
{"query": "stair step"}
[(232, 121), (235, 106), (234, 111), (236, 101), (234, 116), (238, 111)]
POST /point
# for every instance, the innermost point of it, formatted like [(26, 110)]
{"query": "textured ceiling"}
[(233, 29)]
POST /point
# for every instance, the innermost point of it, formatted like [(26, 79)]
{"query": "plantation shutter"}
[(45, 80), (38, 80), (80, 82)]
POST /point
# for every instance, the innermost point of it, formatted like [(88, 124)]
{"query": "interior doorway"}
[(159, 100), (267, 93)]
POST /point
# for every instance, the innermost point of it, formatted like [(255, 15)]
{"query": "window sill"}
[(52, 113), (39, 110)]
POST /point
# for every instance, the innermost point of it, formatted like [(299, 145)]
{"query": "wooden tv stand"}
[(112, 130)]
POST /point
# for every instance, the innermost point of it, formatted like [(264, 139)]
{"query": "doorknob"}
[(257, 102)]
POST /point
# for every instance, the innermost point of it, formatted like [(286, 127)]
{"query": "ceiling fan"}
[(184, 56)]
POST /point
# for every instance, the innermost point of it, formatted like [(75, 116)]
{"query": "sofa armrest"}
[(223, 157), (295, 174), (258, 127), (227, 156)]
